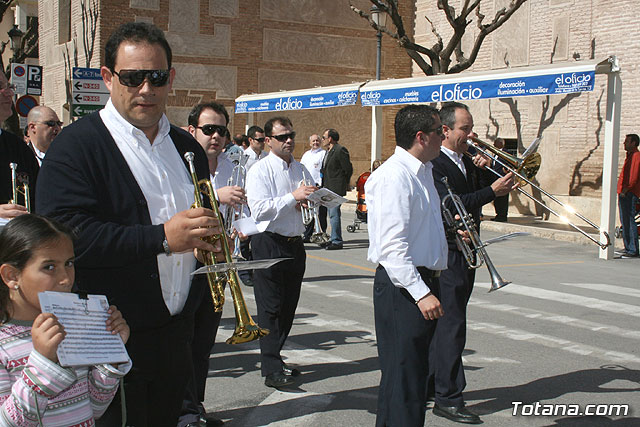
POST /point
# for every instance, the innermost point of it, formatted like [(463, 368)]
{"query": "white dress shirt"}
[(167, 187), (404, 221), (312, 160), (269, 186), (253, 157), (455, 158), (39, 154)]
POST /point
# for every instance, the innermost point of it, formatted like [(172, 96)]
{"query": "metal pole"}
[(378, 55)]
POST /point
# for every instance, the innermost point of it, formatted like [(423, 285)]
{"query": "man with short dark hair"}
[(407, 241), (13, 150), (255, 151), (208, 125), (336, 173), (470, 183), (43, 126), (275, 197), (118, 177), (628, 194)]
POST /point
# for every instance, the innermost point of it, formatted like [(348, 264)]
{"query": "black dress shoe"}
[(290, 372), (248, 281), (333, 246), (324, 244), (459, 415), (277, 380), (210, 420)]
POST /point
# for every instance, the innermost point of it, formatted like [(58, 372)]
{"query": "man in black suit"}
[(470, 182), (119, 178), (13, 150), (336, 172)]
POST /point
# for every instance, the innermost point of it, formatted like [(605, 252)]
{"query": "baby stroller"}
[(361, 206)]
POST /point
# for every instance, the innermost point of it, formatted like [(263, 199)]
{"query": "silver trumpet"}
[(474, 253), (309, 215), (238, 178)]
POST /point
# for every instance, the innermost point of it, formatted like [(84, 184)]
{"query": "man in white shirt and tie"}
[(274, 194), (312, 160), (43, 125)]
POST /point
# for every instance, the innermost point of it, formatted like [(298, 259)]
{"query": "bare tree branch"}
[(441, 55), (90, 14)]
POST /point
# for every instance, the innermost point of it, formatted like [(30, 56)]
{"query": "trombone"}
[(525, 169), (19, 186), (311, 214), (474, 253), (246, 330)]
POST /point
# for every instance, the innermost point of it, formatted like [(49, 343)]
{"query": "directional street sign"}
[(81, 85), (89, 91), (90, 98), (83, 110)]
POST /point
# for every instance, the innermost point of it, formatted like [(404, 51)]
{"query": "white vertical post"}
[(249, 122), (610, 161), (376, 134)]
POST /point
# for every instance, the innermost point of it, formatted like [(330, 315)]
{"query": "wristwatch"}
[(165, 246)]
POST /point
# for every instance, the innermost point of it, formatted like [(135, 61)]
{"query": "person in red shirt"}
[(628, 194)]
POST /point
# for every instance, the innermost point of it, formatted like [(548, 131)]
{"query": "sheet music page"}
[(87, 342), (326, 197)]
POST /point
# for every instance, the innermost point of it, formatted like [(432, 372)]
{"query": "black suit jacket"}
[(86, 183), (336, 170), (474, 190), (14, 150)]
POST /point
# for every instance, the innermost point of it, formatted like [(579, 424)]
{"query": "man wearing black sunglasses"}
[(208, 125), (43, 126), (274, 194), (119, 177), (256, 146)]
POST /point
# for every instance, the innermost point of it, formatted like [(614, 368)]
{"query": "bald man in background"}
[(43, 125)]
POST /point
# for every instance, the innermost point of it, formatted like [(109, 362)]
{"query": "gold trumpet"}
[(525, 169), (474, 253), (246, 330), (20, 186)]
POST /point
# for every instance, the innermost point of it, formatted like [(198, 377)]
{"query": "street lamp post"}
[(16, 35), (379, 17)]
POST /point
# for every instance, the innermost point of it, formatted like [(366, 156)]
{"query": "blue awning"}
[(320, 97), (542, 80)]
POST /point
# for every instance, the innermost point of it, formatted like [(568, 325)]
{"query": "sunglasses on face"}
[(52, 123), (134, 78), (284, 137), (211, 129), (260, 140)]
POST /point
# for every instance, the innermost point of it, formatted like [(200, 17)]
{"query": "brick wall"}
[(225, 48)]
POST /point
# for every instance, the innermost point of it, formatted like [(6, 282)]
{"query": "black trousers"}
[(446, 371), (155, 386), (205, 329), (245, 250), (403, 336), (277, 290), (501, 204)]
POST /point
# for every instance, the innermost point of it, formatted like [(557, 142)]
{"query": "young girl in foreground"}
[(36, 255)]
